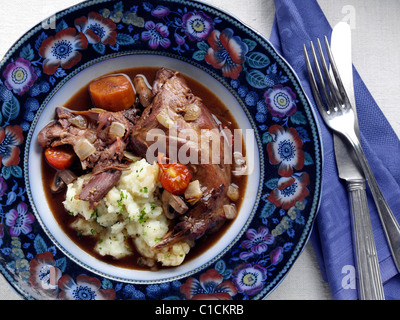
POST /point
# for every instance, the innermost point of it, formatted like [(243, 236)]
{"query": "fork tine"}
[(335, 98), (320, 78), (314, 86), (335, 72)]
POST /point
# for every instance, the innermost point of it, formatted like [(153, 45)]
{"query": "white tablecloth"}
[(376, 55)]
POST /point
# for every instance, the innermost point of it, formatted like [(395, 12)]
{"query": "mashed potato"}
[(131, 209)]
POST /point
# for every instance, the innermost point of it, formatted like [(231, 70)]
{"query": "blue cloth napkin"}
[(298, 22)]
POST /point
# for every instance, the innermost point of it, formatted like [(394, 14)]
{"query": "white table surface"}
[(376, 55)]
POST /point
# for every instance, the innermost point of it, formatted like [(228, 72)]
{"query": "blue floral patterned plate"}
[(56, 58)]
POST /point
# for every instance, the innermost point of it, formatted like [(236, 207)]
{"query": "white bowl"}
[(71, 249)]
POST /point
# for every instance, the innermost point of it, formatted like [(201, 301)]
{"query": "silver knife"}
[(369, 278)]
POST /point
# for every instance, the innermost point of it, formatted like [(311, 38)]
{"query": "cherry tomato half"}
[(175, 177), (60, 157)]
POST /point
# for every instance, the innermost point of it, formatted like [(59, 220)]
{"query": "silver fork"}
[(339, 116)]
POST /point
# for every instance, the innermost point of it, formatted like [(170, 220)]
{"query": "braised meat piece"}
[(175, 109), (99, 138)]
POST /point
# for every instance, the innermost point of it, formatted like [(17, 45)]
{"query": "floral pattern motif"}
[(290, 190), (10, 138), (257, 242), (97, 29), (210, 286), (227, 52), (281, 101), (19, 75), (62, 50), (160, 12), (156, 34), (45, 274), (197, 25), (285, 150), (250, 278), (83, 288), (191, 32), (19, 220)]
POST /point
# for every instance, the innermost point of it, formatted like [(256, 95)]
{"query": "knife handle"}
[(369, 277), (388, 220)]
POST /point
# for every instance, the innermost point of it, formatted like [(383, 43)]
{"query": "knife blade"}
[(369, 278), (346, 160)]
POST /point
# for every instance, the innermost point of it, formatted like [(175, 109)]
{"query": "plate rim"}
[(311, 115), (29, 141)]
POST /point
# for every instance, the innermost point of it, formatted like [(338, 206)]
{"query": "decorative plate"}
[(56, 58)]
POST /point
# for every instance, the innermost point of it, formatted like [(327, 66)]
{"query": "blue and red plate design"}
[(57, 58)]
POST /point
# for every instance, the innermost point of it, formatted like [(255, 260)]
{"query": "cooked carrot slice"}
[(112, 93)]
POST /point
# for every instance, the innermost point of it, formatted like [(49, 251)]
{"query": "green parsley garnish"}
[(142, 216), (121, 207)]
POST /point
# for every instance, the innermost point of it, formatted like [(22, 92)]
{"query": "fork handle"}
[(388, 220), (369, 277)]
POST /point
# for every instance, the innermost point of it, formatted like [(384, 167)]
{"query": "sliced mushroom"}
[(143, 90), (57, 185), (67, 176), (173, 205), (131, 156), (61, 179)]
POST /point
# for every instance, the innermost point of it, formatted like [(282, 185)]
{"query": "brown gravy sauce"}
[(81, 101)]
